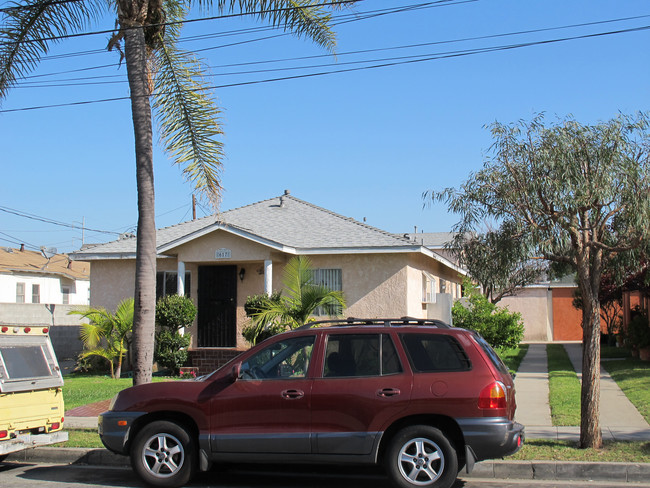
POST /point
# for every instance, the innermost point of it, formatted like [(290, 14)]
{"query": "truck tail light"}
[(493, 396), (3, 434), (55, 426)]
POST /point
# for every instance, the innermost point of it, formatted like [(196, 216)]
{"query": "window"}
[(428, 288), (430, 353), (20, 292), (36, 293), (167, 283), (65, 290), (332, 280), (360, 355), (284, 359)]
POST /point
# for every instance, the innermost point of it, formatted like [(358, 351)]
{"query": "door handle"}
[(292, 394), (388, 392)]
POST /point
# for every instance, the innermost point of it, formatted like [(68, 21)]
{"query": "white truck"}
[(31, 398)]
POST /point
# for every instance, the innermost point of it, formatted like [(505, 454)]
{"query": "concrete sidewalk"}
[(620, 420)]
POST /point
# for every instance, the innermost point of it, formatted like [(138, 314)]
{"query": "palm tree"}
[(294, 308), (106, 334), (188, 118)]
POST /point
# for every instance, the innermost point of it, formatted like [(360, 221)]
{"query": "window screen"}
[(25, 362), (430, 353)]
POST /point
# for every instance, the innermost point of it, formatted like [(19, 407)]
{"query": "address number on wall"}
[(223, 254)]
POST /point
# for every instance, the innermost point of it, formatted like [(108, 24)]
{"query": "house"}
[(222, 259), (40, 288)]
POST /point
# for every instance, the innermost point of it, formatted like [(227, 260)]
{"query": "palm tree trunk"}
[(145, 261)]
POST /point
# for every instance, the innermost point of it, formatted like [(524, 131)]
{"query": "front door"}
[(217, 303)]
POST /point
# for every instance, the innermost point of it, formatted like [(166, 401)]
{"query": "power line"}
[(430, 57), (51, 221), (65, 82)]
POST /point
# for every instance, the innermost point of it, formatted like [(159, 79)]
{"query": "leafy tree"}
[(106, 334), (578, 195), (498, 326), (146, 37), (497, 260), (300, 300), (173, 312)]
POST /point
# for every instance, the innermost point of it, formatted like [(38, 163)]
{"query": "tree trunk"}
[(590, 435), (145, 261)]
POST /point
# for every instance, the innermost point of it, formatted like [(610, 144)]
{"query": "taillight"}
[(3, 434), (493, 396), (55, 426)]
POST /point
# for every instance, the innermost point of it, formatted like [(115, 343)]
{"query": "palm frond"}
[(305, 18), (188, 119), (28, 29)]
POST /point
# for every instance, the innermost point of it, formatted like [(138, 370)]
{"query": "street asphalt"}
[(620, 421)]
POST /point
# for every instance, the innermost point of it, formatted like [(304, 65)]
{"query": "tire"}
[(421, 456), (164, 454)]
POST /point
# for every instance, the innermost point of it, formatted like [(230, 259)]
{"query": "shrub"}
[(500, 327), (171, 349), (638, 331), (173, 312)]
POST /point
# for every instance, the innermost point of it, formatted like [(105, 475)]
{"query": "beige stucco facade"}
[(379, 284), (535, 304)]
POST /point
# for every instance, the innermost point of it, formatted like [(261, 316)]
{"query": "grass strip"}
[(554, 450), (86, 438), (513, 357), (633, 377), (564, 387)]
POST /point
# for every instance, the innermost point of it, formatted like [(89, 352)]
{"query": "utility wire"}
[(453, 54), (366, 51), (51, 221)]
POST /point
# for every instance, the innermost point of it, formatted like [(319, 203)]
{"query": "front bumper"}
[(492, 437), (114, 429)]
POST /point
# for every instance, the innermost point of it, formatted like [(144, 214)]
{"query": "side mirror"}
[(236, 372)]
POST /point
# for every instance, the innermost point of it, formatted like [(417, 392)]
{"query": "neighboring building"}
[(438, 242), (36, 290), (222, 259)]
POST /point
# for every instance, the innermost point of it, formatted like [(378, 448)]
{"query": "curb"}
[(517, 470), (561, 470)]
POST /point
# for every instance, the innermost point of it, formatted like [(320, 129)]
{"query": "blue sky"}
[(365, 144)]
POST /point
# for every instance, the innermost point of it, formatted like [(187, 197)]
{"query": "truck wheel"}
[(421, 456), (164, 454)]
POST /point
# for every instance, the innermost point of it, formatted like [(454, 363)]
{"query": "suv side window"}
[(360, 355), (285, 359), (430, 353)]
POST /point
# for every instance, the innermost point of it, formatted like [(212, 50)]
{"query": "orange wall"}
[(566, 318)]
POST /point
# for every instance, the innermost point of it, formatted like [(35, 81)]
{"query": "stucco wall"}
[(534, 305), (112, 281)]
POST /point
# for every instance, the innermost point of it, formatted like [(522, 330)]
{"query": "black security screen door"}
[(217, 303)]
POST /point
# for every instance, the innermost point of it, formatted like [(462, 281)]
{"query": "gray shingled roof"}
[(283, 222), (432, 240)]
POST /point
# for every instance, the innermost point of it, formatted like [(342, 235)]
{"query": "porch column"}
[(180, 286), (268, 277), (180, 279)]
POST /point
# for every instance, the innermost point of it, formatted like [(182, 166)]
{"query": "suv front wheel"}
[(421, 456), (164, 454)]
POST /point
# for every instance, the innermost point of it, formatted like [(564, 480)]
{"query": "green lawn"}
[(564, 387), (513, 357), (622, 452), (82, 390)]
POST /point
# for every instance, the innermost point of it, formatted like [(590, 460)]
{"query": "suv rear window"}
[(430, 353), (491, 353)]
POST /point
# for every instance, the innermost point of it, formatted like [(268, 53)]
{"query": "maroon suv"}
[(417, 396)]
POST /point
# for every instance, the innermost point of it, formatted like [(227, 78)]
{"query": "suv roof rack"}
[(401, 322)]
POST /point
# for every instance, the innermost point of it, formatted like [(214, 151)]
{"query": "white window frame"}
[(332, 278), (20, 292), (429, 283)]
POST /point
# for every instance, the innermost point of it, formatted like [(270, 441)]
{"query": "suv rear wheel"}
[(164, 454), (421, 456)]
